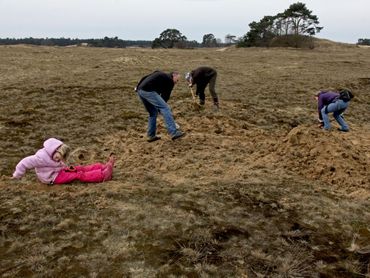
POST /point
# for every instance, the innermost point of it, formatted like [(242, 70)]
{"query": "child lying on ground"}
[(49, 164)]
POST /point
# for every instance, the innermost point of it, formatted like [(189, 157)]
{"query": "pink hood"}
[(45, 167)]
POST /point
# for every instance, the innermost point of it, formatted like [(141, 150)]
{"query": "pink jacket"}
[(46, 168)]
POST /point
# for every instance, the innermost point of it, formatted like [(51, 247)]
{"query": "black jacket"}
[(202, 75), (159, 82)]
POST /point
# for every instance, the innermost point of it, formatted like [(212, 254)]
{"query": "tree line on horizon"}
[(104, 42), (295, 27), (115, 42), (363, 42)]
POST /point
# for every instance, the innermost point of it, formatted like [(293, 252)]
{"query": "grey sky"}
[(343, 21)]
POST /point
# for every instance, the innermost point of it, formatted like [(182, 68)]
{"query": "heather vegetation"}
[(254, 190)]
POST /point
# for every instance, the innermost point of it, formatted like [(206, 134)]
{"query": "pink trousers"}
[(88, 173)]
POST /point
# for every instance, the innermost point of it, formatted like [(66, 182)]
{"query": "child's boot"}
[(107, 172)]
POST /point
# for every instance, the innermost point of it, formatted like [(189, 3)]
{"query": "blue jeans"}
[(154, 103), (337, 108)]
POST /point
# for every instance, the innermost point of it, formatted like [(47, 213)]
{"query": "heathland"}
[(254, 190)]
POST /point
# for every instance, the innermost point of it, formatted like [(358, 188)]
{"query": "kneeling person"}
[(336, 103)]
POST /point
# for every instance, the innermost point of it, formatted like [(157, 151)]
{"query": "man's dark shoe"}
[(178, 134), (343, 130), (153, 138)]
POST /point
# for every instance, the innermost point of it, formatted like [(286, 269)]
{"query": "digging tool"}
[(195, 103)]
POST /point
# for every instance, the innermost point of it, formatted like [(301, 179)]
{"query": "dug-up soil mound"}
[(340, 159)]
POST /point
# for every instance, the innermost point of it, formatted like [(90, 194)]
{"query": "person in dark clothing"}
[(336, 103), (154, 91), (203, 76)]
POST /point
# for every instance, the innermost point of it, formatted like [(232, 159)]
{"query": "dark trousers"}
[(212, 89)]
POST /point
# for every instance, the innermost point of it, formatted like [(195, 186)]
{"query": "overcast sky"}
[(343, 20)]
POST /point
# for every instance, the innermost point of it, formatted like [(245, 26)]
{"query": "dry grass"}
[(255, 190)]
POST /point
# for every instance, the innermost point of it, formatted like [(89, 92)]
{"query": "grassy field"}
[(254, 190)]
